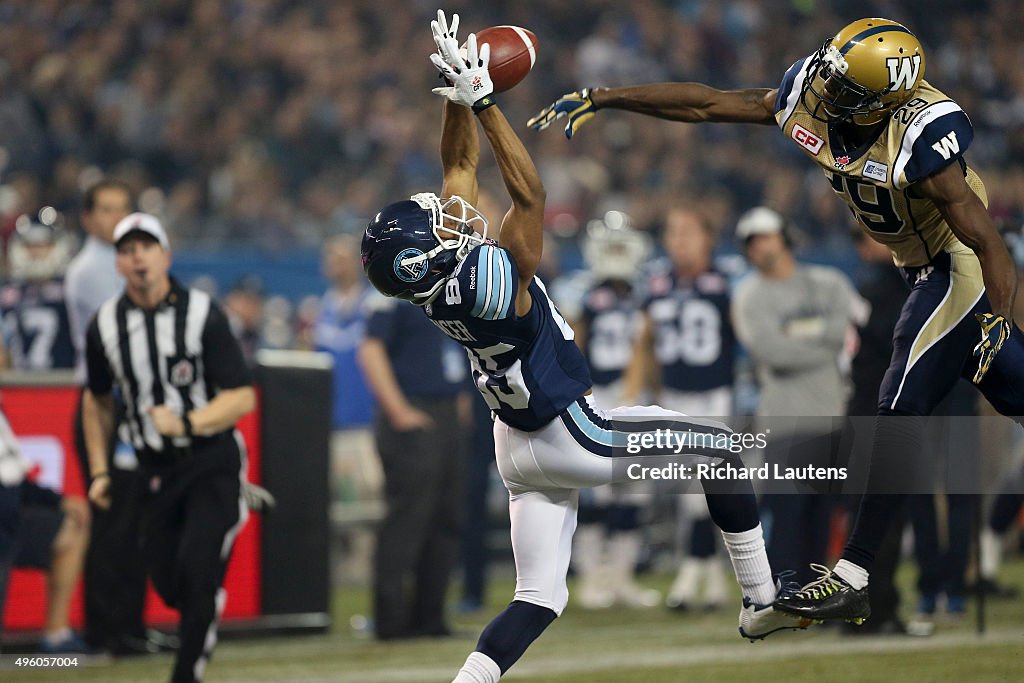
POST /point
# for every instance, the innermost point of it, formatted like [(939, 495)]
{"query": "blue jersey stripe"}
[(588, 444), (498, 295), (493, 284), (787, 85), (602, 436), (486, 283), (510, 295)]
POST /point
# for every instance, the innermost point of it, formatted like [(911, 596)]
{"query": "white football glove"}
[(442, 30), (469, 78)]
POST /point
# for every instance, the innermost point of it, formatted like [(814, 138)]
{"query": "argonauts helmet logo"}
[(410, 272)]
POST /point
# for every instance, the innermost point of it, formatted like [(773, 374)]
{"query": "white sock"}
[(58, 636), (851, 573), (991, 554), (750, 563), (479, 668)]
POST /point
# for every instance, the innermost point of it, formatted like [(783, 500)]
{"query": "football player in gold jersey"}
[(891, 145)]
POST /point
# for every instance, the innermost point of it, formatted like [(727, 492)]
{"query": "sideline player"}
[(609, 534), (33, 317), (892, 147), (687, 339), (550, 438)]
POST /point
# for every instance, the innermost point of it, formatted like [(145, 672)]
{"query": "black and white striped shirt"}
[(178, 354)]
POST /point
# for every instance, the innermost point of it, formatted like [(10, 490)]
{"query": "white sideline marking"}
[(680, 657)]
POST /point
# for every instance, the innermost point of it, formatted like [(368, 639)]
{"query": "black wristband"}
[(188, 425), (483, 103)]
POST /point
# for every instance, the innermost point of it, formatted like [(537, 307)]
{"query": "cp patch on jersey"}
[(806, 139)]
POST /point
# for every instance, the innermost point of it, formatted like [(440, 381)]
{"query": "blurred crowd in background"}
[(280, 123)]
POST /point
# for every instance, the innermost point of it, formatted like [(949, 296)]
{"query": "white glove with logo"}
[(468, 76)]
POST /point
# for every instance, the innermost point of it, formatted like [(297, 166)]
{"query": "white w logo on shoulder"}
[(948, 145), (903, 71)]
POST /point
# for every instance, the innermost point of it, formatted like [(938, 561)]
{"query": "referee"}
[(185, 384)]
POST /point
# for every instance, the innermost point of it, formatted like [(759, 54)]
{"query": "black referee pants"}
[(417, 543), (114, 574), (191, 516)]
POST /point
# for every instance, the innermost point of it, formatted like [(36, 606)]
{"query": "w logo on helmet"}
[(903, 71), (410, 272)]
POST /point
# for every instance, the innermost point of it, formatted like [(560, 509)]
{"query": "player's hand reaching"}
[(470, 81), (995, 330), (578, 106), (442, 30)]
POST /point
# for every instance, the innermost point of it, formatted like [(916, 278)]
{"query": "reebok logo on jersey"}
[(806, 139), (875, 170), (472, 277)]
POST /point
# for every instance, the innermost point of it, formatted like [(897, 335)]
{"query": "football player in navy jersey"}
[(36, 331), (608, 539), (550, 437), (687, 336), (892, 147)]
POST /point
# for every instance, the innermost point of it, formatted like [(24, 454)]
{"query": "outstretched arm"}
[(688, 102), (460, 152), (522, 230), (691, 102), (460, 142)]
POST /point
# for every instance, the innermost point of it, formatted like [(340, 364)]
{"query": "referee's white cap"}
[(144, 223)]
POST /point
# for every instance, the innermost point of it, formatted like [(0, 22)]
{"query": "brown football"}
[(513, 54)]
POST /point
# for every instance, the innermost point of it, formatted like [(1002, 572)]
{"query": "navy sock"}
[(898, 440), (732, 504), (508, 635), (702, 538)]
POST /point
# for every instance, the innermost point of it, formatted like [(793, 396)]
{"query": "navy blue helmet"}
[(412, 247)]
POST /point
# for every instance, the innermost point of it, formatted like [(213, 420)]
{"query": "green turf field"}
[(605, 647)]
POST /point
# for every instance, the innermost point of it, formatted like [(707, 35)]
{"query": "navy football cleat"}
[(828, 597)]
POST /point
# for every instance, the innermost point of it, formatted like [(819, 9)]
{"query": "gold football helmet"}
[(864, 72)]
